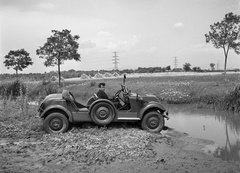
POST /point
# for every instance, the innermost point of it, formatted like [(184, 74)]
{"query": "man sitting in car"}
[(101, 92)]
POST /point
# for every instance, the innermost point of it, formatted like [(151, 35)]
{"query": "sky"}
[(144, 33)]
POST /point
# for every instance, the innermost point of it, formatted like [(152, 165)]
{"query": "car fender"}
[(55, 108), (151, 105), (102, 100)]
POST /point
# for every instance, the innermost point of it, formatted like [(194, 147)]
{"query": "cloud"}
[(153, 49), (178, 25), (109, 42), (47, 6), (133, 41), (87, 44), (104, 34), (27, 5)]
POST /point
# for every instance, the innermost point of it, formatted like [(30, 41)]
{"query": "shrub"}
[(232, 100), (12, 89), (93, 84), (43, 89)]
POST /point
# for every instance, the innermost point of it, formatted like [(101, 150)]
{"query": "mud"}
[(171, 151)]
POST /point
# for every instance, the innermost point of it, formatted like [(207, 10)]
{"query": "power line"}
[(115, 60), (175, 62)]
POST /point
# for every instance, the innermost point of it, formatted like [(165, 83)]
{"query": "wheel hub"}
[(153, 122), (103, 113), (56, 124)]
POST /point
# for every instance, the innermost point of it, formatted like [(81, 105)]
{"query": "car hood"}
[(149, 97), (53, 96)]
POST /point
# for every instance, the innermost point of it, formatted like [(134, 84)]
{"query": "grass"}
[(90, 144), (17, 116), (216, 91)]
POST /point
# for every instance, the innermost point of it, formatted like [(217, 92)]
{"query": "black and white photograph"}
[(120, 86)]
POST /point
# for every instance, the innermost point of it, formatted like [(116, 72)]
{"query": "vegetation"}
[(212, 65), (18, 59), (58, 48), (212, 90), (225, 35), (12, 89), (187, 67), (87, 144)]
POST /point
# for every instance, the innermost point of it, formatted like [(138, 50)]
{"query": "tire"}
[(56, 123), (153, 122), (102, 113)]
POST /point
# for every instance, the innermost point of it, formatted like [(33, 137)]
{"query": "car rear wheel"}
[(153, 122), (102, 113), (56, 123)]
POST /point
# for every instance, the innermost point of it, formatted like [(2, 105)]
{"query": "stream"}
[(222, 127)]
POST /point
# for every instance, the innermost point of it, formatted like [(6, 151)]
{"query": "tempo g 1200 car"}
[(58, 110)]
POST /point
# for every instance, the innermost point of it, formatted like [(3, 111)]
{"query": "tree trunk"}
[(17, 73), (59, 73), (226, 55), (225, 64)]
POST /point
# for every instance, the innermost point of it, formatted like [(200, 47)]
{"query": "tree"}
[(168, 68), (18, 59), (196, 69), (225, 35), (187, 67), (59, 47), (212, 65)]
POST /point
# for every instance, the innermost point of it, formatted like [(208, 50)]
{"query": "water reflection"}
[(222, 127)]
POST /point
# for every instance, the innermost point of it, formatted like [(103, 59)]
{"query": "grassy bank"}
[(216, 91)]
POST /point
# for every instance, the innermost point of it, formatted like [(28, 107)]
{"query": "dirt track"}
[(170, 151)]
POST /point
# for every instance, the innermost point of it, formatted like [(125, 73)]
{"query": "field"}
[(119, 147), (199, 89)]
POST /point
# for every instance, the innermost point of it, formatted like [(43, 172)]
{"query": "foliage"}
[(187, 67), (18, 59), (42, 89), (196, 69), (209, 90), (12, 89), (17, 117), (212, 65), (232, 100), (225, 35), (58, 48)]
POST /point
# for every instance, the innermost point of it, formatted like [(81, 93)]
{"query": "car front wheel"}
[(56, 123), (153, 122)]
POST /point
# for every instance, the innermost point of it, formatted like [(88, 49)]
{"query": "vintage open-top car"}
[(58, 110)]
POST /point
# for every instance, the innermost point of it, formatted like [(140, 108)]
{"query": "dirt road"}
[(133, 150)]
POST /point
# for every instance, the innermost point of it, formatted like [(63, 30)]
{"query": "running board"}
[(129, 118)]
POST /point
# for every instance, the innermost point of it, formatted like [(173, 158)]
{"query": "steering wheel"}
[(117, 94), (124, 89)]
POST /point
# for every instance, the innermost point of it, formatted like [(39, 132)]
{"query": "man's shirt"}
[(101, 94)]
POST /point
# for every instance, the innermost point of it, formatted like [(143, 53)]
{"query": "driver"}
[(101, 92)]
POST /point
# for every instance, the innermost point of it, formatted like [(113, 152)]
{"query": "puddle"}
[(222, 127)]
